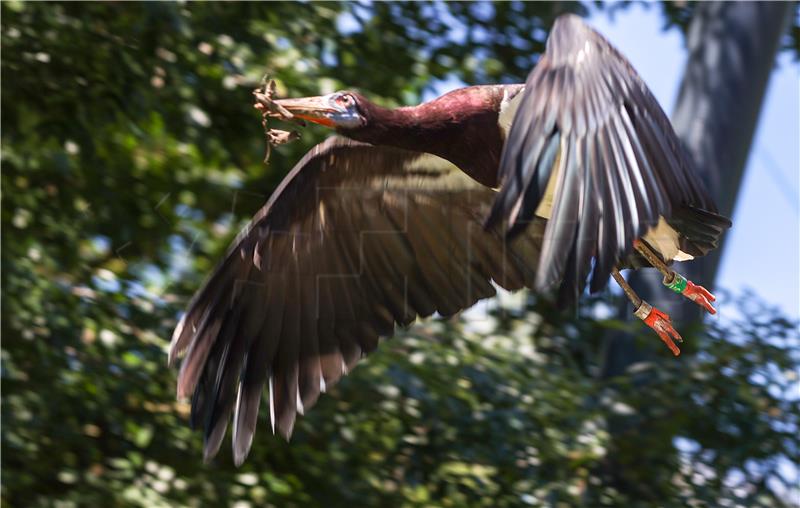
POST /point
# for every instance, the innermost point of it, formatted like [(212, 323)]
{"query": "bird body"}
[(548, 185)]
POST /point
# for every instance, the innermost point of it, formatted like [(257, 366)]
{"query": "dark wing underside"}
[(589, 119), (356, 239)]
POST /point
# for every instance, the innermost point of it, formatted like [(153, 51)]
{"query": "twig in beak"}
[(269, 108), (277, 137)]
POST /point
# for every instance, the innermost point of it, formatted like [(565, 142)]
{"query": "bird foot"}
[(662, 324), (698, 294)]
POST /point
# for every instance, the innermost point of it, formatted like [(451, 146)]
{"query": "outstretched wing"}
[(590, 136), (356, 239)]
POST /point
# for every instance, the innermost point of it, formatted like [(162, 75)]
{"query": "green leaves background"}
[(131, 155)]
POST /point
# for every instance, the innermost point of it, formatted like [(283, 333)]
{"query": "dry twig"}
[(271, 109)]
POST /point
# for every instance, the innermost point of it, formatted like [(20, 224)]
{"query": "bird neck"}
[(461, 126)]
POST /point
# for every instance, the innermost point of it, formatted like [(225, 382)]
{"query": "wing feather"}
[(257, 367), (585, 94), (355, 240)]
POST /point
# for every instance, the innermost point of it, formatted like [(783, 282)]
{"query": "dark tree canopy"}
[(131, 155)]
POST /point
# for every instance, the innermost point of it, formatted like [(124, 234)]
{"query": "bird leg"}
[(652, 317), (675, 281)]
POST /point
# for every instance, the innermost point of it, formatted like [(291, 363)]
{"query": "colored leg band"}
[(643, 311), (678, 283)]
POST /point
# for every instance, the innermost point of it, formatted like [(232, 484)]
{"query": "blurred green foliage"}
[(130, 157)]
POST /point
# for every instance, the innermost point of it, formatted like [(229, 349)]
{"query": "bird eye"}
[(344, 99)]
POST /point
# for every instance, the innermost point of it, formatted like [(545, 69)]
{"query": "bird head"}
[(339, 110)]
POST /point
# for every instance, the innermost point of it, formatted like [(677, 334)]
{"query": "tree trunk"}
[(732, 48)]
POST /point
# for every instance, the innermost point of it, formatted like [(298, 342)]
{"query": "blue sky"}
[(762, 251)]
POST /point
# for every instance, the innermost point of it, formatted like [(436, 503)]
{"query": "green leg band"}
[(678, 283)]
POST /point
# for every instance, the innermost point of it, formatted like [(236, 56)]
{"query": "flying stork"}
[(550, 185)]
